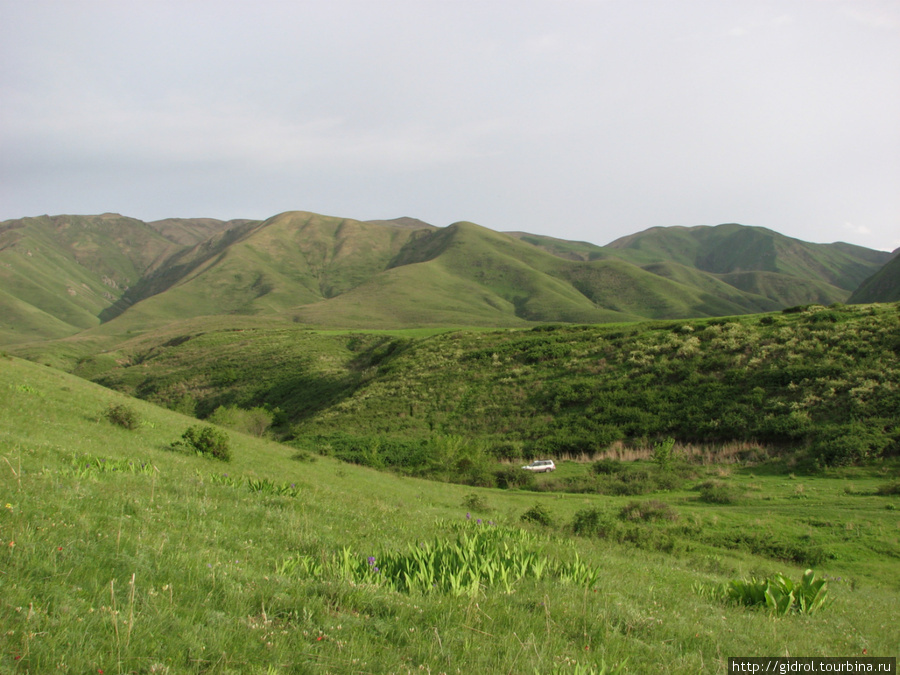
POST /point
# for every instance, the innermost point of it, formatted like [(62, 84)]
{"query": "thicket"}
[(205, 440), (123, 415), (824, 381)]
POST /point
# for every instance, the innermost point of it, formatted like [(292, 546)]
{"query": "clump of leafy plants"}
[(652, 509), (476, 502), (607, 466), (892, 488), (514, 477), (778, 595), (123, 415), (479, 557), (664, 453), (539, 515), (718, 492), (205, 440)]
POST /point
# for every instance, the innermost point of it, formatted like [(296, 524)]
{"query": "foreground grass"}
[(149, 561)]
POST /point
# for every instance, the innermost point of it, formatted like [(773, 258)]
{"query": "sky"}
[(586, 120)]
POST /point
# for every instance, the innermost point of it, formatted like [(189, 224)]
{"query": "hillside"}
[(883, 286), (124, 553), (109, 275), (59, 274), (755, 258), (821, 382)]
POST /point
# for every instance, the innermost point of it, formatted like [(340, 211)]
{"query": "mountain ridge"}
[(65, 274)]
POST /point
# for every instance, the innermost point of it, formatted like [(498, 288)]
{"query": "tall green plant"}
[(779, 595)]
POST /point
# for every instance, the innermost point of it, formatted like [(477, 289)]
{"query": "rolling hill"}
[(883, 286), (64, 275)]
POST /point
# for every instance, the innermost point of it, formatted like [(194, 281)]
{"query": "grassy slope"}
[(72, 268), (883, 286), (172, 572), (192, 231), (794, 378), (833, 270), (345, 273)]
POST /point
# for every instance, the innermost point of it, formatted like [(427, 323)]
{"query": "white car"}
[(540, 466)]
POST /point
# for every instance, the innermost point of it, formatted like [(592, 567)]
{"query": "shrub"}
[(652, 509), (538, 514), (476, 502), (849, 443), (593, 522), (607, 466), (255, 421), (514, 477), (123, 415), (892, 488), (206, 440), (663, 453), (717, 492)]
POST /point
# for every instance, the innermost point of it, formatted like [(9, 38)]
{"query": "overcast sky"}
[(580, 119)]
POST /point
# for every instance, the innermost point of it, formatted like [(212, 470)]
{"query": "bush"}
[(476, 502), (892, 488), (849, 444), (607, 466), (663, 453), (255, 421), (593, 522), (514, 477), (303, 456), (652, 509), (538, 514), (123, 415), (717, 492), (206, 440)]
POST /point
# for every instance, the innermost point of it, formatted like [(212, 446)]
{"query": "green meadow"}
[(127, 550)]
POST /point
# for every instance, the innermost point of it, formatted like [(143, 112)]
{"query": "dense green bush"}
[(514, 477), (206, 440), (892, 488), (123, 415), (255, 421), (652, 509), (607, 466), (539, 515), (717, 492), (850, 443)]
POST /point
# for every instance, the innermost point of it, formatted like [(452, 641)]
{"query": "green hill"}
[(109, 275), (123, 552), (70, 269), (821, 382), (883, 286), (758, 260)]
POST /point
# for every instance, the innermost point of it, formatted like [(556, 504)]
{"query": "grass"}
[(109, 565)]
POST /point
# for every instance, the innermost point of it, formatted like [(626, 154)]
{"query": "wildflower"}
[(468, 515), (12, 544), (59, 548), (9, 506), (478, 521), (371, 560)]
